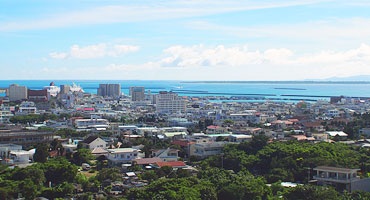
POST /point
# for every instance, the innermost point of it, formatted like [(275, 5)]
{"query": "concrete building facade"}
[(137, 93), (17, 92), (169, 102), (109, 90)]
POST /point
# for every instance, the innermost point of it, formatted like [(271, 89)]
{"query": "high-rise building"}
[(64, 89), (109, 90), (17, 93), (169, 102), (137, 93)]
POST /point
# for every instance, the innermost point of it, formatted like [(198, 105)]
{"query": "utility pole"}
[(308, 174), (222, 160)]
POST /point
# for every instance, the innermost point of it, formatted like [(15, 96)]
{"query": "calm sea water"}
[(267, 89)]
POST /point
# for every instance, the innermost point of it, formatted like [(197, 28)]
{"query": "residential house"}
[(117, 157), (240, 138), (301, 138), (166, 154), (173, 164), (207, 149), (215, 130), (93, 142), (320, 137), (337, 133), (313, 126), (146, 162), (281, 124), (20, 156)]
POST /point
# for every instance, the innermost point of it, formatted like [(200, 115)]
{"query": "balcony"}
[(336, 179)]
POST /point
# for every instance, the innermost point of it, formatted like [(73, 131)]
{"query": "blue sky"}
[(184, 40)]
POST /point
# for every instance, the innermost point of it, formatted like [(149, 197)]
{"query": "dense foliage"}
[(32, 118), (35, 180), (288, 161), (243, 171)]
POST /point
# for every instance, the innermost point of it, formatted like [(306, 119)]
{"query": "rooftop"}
[(146, 161), (335, 169), (122, 150), (171, 164)]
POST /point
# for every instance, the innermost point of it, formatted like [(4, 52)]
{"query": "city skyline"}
[(184, 40)]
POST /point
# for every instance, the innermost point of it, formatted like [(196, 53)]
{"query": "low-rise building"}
[(117, 157), (363, 131), (240, 138), (166, 154), (26, 108), (173, 164), (24, 137), (20, 156), (6, 148), (341, 178), (92, 124), (215, 130), (207, 149), (336, 133), (93, 142), (5, 116)]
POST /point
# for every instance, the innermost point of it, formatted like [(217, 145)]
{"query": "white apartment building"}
[(168, 102), (332, 113), (27, 107)]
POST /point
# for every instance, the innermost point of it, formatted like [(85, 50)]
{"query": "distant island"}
[(279, 82), (290, 89)]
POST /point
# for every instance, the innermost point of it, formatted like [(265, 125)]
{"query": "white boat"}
[(76, 88), (52, 89)]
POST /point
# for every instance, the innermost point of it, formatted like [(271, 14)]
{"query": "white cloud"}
[(56, 55), (201, 62), (123, 49), (91, 51), (95, 51), (180, 56), (144, 11), (198, 55)]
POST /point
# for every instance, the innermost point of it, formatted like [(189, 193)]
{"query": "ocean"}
[(268, 89)]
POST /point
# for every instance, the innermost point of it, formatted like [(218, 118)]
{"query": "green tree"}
[(28, 189), (59, 170), (41, 153), (311, 192), (82, 156), (149, 175), (359, 195), (112, 174), (182, 173)]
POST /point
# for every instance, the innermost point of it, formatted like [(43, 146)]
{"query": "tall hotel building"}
[(17, 93), (137, 93), (168, 102), (109, 90)]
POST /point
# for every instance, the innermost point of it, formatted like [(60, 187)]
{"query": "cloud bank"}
[(95, 51)]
